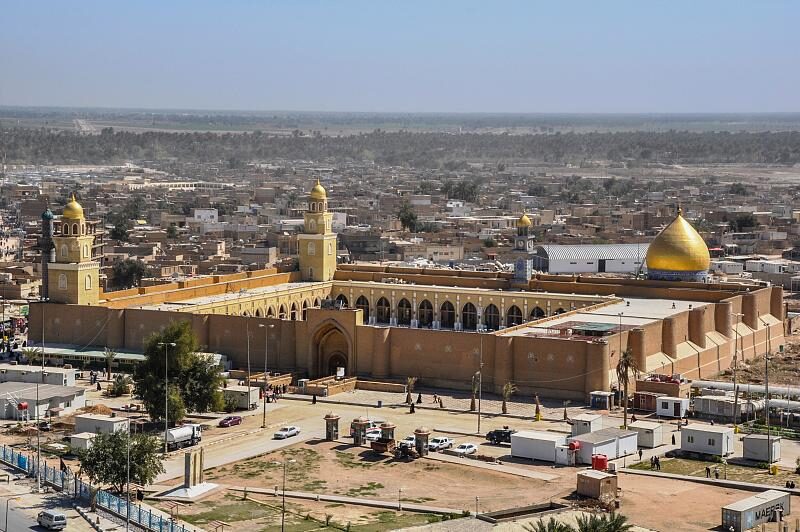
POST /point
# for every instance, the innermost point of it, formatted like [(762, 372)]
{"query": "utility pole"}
[(266, 356), (766, 410), (480, 383), (166, 345), (735, 367)]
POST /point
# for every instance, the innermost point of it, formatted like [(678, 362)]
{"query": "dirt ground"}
[(784, 368)]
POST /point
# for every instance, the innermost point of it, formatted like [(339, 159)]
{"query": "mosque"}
[(558, 336)]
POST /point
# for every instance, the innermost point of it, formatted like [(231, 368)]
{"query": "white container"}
[(708, 439), (536, 445), (675, 407)]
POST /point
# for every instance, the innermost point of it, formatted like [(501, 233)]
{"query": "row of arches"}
[(295, 312), (425, 316)]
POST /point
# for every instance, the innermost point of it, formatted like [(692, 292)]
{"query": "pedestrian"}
[(441, 403), (435, 398), (640, 455), (98, 387), (708, 472), (712, 422), (673, 439), (419, 399), (658, 464), (412, 408), (314, 399), (652, 462), (716, 472)]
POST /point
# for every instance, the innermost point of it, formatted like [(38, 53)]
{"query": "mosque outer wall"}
[(552, 367)]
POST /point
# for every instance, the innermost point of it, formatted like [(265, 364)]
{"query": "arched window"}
[(469, 317), (317, 302), (384, 311), (294, 311), (363, 304), (312, 248), (88, 282), (258, 313), (282, 312), (537, 313), (404, 312), (341, 300), (62, 281), (312, 225), (330, 248), (311, 273), (514, 316), (447, 315), (85, 251), (491, 318), (64, 250), (270, 312), (425, 314), (74, 229), (560, 310), (305, 310), (65, 229)]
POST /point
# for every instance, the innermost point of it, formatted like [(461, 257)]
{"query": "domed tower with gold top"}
[(317, 243), (74, 276), (524, 241), (678, 253)]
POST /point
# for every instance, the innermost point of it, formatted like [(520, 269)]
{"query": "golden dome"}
[(678, 248), (524, 221), (72, 210), (318, 192)]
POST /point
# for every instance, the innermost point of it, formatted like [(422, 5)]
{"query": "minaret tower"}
[(74, 277), (318, 241)]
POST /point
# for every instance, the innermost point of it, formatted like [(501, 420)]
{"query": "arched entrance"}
[(331, 350)]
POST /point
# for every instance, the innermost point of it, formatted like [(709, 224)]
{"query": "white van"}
[(52, 520)]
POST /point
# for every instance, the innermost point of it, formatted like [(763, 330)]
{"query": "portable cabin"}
[(676, 407), (585, 423), (536, 445), (756, 447), (707, 439), (612, 442), (650, 433)]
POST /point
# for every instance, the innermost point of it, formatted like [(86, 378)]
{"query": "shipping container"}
[(651, 433), (766, 507), (676, 407), (585, 423), (755, 447), (536, 445)]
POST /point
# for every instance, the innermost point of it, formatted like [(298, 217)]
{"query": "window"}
[(88, 282), (64, 250), (330, 248), (712, 442), (62, 281), (690, 439), (312, 249), (86, 251), (664, 405), (312, 225)]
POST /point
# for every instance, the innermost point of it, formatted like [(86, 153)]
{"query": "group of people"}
[(655, 463), (273, 393), (716, 472)]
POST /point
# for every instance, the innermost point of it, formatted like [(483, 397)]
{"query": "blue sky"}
[(409, 56)]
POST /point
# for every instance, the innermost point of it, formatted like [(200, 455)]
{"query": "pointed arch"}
[(425, 313), (341, 299), (491, 317), (469, 317), (384, 311), (317, 302), (294, 315), (363, 304), (447, 315), (305, 309), (560, 310), (282, 312), (404, 312), (514, 316), (258, 313), (271, 312), (537, 313)]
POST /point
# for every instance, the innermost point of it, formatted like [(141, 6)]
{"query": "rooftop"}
[(25, 391)]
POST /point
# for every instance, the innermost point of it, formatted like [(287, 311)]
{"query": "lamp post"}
[(477, 499), (36, 417), (247, 331), (266, 327), (166, 346), (735, 367), (399, 499), (480, 380), (8, 500), (283, 493), (128, 476)]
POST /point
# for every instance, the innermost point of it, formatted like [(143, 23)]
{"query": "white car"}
[(408, 441), (439, 443), (287, 432), (373, 436), (466, 448)]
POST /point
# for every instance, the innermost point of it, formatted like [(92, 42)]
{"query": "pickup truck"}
[(498, 436)]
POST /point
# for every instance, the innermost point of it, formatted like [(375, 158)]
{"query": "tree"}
[(172, 232), (121, 385), (119, 231), (408, 219), (128, 272), (474, 390), (552, 526), (737, 189), (194, 380), (509, 389), (106, 460), (626, 365), (109, 355), (32, 354), (410, 382), (613, 522)]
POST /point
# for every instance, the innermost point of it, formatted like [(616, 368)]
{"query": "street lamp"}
[(8, 500), (283, 493), (166, 346), (735, 367), (476, 506), (399, 499), (266, 355), (480, 381)]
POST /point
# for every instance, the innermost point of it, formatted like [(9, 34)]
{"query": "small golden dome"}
[(524, 221), (678, 248), (72, 210), (318, 192)]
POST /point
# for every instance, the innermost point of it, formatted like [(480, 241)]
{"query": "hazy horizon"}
[(621, 58)]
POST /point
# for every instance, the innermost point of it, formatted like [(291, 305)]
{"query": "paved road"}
[(17, 519)]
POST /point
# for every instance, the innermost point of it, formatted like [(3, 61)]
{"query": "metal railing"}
[(67, 482)]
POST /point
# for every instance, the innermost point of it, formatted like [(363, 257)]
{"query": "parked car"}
[(440, 443), (373, 436), (499, 436), (45, 426), (408, 441), (287, 432), (466, 448), (52, 520), (231, 421)]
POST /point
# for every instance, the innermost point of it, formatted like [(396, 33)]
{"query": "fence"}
[(67, 482)]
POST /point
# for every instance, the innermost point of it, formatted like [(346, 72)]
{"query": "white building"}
[(33, 374), (676, 407), (585, 423), (49, 399), (100, 424), (599, 258), (536, 445), (614, 443), (707, 439), (651, 434)]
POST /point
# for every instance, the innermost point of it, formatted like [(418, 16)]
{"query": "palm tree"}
[(627, 364), (613, 522), (110, 355), (508, 390), (32, 354), (551, 526), (472, 406), (410, 382)]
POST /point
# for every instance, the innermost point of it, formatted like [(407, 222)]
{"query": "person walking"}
[(652, 462), (708, 472), (673, 439), (640, 455)]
